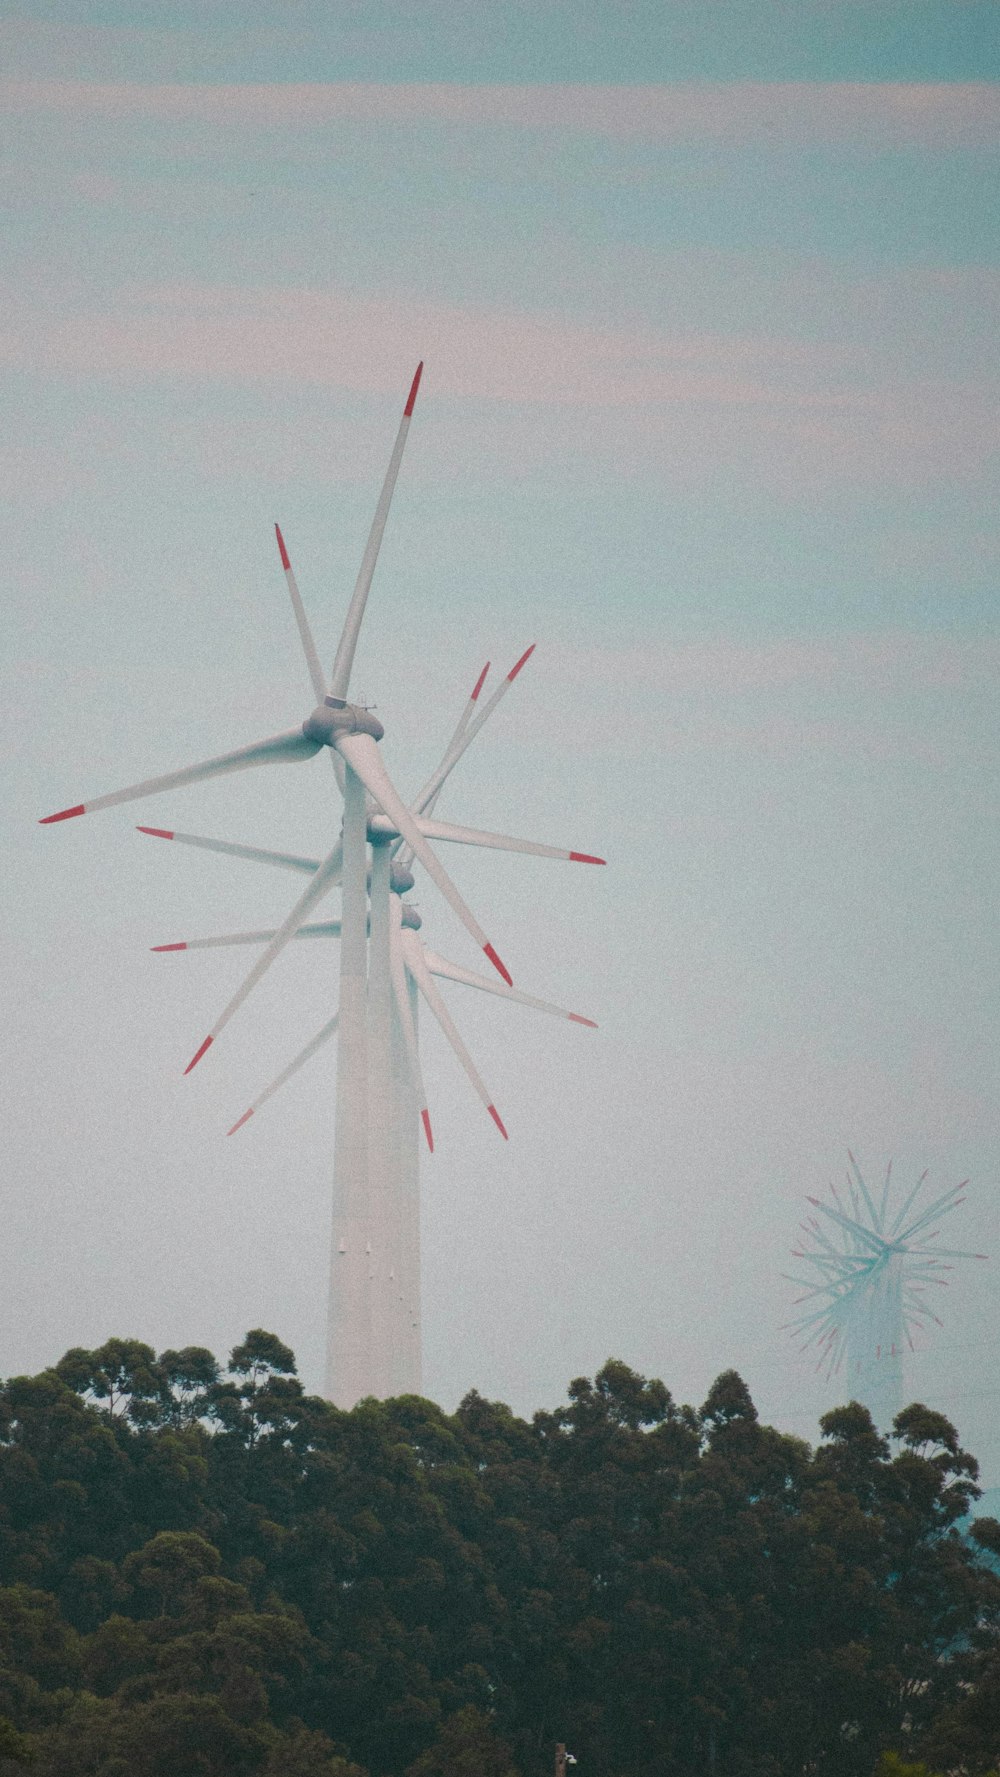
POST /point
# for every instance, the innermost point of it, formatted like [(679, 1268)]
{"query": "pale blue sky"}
[(708, 298)]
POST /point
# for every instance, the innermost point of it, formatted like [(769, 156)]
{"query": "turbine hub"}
[(400, 879), (332, 718), (412, 919)]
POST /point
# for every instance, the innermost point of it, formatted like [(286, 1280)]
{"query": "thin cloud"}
[(874, 116), (337, 338), (652, 400)]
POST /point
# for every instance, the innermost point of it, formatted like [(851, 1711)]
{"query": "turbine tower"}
[(373, 1342), (871, 1269)]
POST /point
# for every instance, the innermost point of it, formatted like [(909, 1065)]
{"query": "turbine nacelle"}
[(401, 880), (333, 719)]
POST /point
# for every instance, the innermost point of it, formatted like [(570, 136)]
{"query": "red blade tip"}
[(489, 951), (283, 552), (582, 857), (425, 1119), (169, 947), (414, 386), (495, 1114), (157, 832), (196, 1058), (528, 652), (65, 814), (480, 682), (240, 1121), (576, 1018)]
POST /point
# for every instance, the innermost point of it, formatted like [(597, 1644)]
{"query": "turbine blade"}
[(872, 1211), (305, 633), (308, 645), (310, 1049), (421, 975), (285, 860), (950, 1252), (344, 660), (883, 1206), (465, 733), (453, 755), (447, 830), (402, 852), (329, 929), (321, 882), (906, 1205), (361, 753), (453, 972), (462, 724), (279, 749)]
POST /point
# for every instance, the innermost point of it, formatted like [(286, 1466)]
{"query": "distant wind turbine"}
[(871, 1269)]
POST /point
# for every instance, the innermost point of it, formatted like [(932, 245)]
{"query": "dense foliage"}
[(204, 1575)]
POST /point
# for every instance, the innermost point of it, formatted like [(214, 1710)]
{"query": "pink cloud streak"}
[(338, 339), (689, 405), (867, 115)]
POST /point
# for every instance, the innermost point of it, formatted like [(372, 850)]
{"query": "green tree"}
[(466, 1745)]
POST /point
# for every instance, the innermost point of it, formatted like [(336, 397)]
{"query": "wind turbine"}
[(871, 1267), (351, 734)]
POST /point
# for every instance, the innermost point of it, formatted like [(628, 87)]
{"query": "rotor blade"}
[(447, 830), (872, 1211), (285, 859), (883, 1206), (308, 644), (397, 973), (451, 758), (462, 724), (362, 754), (310, 1049), (402, 852), (279, 749), (322, 881), (464, 735), (906, 1205), (950, 1252), (452, 972), (344, 661), (421, 975), (330, 929), (305, 633)]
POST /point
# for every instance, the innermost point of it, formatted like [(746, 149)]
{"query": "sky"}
[(707, 298)]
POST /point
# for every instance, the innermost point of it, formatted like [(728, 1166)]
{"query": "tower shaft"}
[(349, 1325)]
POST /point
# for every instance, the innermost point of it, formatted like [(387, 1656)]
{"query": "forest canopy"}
[(206, 1572)]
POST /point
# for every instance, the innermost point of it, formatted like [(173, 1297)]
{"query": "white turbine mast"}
[(374, 1332), (870, 1270)]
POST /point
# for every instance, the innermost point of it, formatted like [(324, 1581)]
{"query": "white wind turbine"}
[(400, 967), (350, 733), (871, 1269)]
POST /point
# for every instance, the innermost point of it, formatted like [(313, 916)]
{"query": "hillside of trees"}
[(205, 1573)]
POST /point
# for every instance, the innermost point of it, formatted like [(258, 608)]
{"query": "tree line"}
[(206, 1572)]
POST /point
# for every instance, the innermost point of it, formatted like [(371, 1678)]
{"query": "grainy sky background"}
[(708, 298)]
